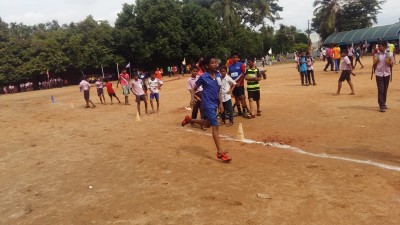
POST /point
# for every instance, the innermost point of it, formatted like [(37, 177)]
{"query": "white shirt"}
[(99, 85), (225, 84), (154, 85), (383, 70), (84, 85), (346, 63)]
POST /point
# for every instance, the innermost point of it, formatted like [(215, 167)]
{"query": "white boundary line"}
[(300, 151)]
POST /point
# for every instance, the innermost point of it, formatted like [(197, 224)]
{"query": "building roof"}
[(373, 34)]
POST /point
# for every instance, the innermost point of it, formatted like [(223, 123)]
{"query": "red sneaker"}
[(224, 157), (186, 120)]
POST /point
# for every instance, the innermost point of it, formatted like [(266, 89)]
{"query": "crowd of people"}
[(28, 86), (346, 61)]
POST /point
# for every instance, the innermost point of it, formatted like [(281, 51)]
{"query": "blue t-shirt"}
[(236, 73), (210, 96), (303, 64)]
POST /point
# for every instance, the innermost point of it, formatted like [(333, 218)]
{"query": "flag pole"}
[(130, 71), (102, 71), (117, 69)]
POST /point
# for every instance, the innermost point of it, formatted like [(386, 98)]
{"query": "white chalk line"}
[(300, 151)]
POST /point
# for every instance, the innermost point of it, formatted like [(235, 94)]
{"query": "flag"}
[(270, 51), (184, 62), (129, 65)]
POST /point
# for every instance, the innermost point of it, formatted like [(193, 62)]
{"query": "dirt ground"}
[(63, 164)]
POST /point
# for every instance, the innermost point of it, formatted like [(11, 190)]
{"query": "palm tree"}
[(325, 15), (228, 11)]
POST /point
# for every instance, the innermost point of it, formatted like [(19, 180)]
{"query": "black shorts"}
[(238, 91), (140, 98), (113, 94), (255, 95), (100, 91), (86, 95), (345, 75)]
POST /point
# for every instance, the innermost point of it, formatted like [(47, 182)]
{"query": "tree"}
[(203, 34), (160, 26), (358, 14), (325, 13), (335, 15)]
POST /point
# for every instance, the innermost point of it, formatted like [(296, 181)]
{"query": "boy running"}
[(155, 87), (138, 91), (84, 87), (100, 91), (111, 91), (253, 76), (211, 102), (346, 71)]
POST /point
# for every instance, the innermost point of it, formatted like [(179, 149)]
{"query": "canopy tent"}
[(373, 34)]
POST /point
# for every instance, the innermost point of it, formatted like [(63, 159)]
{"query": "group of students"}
[(383, 61), (211, 93), (305, 65), (138, 86)]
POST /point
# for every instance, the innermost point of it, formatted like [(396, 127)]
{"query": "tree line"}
[(150, 34)]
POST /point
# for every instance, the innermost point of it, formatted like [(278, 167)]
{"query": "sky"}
[(30, 12)]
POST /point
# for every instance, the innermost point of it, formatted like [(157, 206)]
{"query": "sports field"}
[(337, 161)]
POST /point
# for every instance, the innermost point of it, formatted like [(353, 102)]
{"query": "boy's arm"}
[(193, 99)]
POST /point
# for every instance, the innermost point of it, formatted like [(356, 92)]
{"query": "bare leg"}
[(126, 100), (158, 105), (152, 106), (251, 103), (351, 87), (91, 103), (104, 99), (339, 87), (145, 106), (138, 107), (215, 134)]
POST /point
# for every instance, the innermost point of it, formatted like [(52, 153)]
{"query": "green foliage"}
[(202, 33), (335, 16)]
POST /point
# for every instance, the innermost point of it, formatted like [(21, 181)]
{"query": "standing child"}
[(100, 92), (84, 87), (111, 91), (383, 64), (358, 56), (303, 68), (310, 68), (227, 86), (137, 90), (191, 83), (346, 71), (155, 87), (253, 76), (123, 79), (211, 102), (236, 72)]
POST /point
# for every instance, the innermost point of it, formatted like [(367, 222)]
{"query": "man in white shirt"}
[(84, 87)]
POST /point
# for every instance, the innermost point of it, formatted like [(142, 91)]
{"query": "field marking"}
[(301, 151)]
